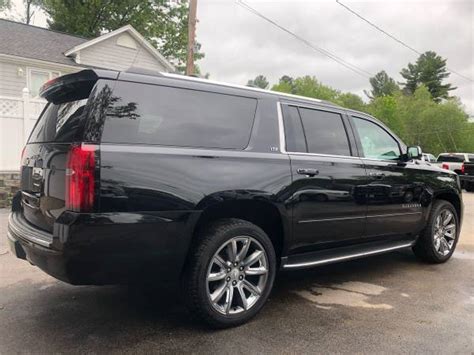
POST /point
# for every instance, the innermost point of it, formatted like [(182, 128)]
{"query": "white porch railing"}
[(17, 118)]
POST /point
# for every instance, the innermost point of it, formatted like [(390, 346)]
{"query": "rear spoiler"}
[(60, 89)]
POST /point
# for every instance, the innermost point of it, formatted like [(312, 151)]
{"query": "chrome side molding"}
[(335, 259)]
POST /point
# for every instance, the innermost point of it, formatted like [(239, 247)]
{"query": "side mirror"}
[(414, 152)]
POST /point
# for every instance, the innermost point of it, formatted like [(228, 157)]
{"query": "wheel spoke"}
[(216, 276), (447, 218), (220, 262), (445, 245), (229, 298), (232, 250), (256, 271), (256, 255), (252, 288), (438, 222), (218, 293), (243, 297), (245, 248)]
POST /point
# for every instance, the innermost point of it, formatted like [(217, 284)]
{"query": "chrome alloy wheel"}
[(444, 232), (237, 275)]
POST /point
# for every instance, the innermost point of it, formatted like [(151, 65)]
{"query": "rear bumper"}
[(106, 248)]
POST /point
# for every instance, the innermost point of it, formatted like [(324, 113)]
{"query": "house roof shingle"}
[(34, 42)]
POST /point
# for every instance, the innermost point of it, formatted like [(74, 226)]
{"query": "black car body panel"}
[(151, 199)]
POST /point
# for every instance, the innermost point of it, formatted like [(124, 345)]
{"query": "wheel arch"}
[(261, 212), (452, 198)]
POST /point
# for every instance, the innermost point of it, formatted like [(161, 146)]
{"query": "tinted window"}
[(376, 142), (294, 136), (179, 117), (453, 158), (59, 122), (471, 157), (325, 132)]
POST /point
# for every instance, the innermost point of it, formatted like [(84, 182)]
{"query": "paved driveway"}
[(388, 303)]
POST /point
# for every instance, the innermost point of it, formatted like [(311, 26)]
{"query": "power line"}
[(323, 51), (392, 36)]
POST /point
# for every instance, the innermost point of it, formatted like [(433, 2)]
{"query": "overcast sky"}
[(239, 45)]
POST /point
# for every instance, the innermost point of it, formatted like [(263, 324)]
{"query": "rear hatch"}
[(46, 156)]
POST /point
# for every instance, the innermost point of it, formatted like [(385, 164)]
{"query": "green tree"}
[(418, 120), (260, 81), (163, 23), (285, 84), (430, 70), (351, 101), (382, 85)]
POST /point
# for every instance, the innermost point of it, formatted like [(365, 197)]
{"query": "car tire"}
[(433, 245), (217, 264)]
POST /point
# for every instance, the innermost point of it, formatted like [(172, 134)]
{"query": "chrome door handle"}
[(307, 171)]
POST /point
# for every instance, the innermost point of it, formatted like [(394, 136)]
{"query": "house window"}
[(37, 77)]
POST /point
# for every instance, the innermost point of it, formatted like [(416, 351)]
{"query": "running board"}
[(330, 256)]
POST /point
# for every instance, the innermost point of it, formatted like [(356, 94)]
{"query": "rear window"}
[(471, 158), (150, 114), (64, 117), (59, 122), (453, 158)]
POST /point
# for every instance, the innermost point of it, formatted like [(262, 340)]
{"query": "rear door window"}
[(294, 135), (161, 115), (324, 132)]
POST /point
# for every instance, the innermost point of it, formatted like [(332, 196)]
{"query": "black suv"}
[(138, 174)]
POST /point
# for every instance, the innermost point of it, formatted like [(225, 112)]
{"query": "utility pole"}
[(191, 36)]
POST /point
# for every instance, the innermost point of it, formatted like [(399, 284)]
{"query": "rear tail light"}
[(462, 168), (445, 166), (80, 177)]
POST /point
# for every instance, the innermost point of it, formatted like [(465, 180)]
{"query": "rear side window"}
[(451, 158), (471, 157), (325, 132), (150, 114)]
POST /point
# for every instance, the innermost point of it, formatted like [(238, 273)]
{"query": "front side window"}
[(324, 132), (376, 142), (161, 115)]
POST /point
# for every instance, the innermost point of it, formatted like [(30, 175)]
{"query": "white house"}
[(30, 56)]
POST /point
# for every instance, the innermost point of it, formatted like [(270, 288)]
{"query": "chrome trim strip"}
[(393, 214), (325, 155), (330, 219), (27, 233), (281, 129), (346, 257)]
